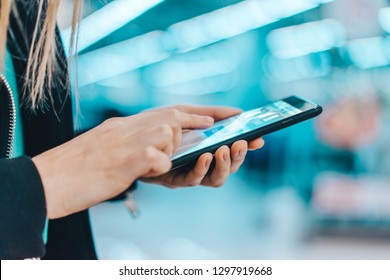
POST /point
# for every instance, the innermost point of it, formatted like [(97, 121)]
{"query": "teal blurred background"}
[(318, 190)]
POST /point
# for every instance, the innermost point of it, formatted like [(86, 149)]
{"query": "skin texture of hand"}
[(104, 161), (227, 161)]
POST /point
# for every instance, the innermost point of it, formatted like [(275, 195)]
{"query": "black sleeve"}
[(22, 209)]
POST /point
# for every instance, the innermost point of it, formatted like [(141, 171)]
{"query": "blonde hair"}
[(42, 59)]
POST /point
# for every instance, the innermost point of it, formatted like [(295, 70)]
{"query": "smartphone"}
[(245, 126)]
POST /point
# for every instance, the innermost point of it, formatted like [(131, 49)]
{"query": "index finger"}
[(194, 121), (216, 112)]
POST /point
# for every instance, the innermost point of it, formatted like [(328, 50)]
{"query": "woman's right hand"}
[(104, 161)]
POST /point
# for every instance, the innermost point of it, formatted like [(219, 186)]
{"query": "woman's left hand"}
[(227, 161)]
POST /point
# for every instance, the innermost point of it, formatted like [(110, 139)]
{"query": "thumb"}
[(160, 164)]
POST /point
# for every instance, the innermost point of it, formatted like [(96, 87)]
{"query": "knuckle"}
[(112, 122), (237, 160), (234, 170), (195, 181), (218, 183), (198, 175), (180, 107), (174, 113), (224, 169), (166, 167), (149, 153), (166, 131)]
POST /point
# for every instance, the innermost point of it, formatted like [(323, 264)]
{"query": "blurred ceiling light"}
[(303, 39), (234, 20), (170, 72), (209, 85), (186, 36), (298, 68), (120, 58), (384, 19), (370, 52), (108, 19)]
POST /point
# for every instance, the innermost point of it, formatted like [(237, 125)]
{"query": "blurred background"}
[(318, 190)]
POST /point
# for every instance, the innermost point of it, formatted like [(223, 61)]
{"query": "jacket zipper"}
[(12, 118)]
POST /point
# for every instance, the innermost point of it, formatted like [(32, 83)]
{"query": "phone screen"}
[(195, 140)]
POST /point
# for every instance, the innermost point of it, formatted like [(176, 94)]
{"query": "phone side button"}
[(287, 123)]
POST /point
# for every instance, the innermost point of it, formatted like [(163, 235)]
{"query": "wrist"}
[(54, 206)]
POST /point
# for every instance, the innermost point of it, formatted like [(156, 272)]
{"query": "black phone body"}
[(248, 126)]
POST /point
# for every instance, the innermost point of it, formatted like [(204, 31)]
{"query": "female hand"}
[(227, 161), (104, 161)]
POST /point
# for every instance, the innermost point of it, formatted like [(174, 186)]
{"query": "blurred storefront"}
[(317, 190)]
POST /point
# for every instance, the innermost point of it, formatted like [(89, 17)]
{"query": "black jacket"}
[(22, 201)]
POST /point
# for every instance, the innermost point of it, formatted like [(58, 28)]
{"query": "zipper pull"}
[(131, 205)]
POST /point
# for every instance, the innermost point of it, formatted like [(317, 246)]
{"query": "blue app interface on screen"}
[(195, 140)]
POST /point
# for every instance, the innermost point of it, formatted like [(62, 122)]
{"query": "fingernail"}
[(226, 157), (208, 119), (242, 153)]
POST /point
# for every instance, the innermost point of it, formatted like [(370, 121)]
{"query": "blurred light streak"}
[(106, 20), (120, 58), (384, 19), (169, 72), (234, 20), (297, 68), (186, 36), (303, 39), (209, 85), (370, 52)]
